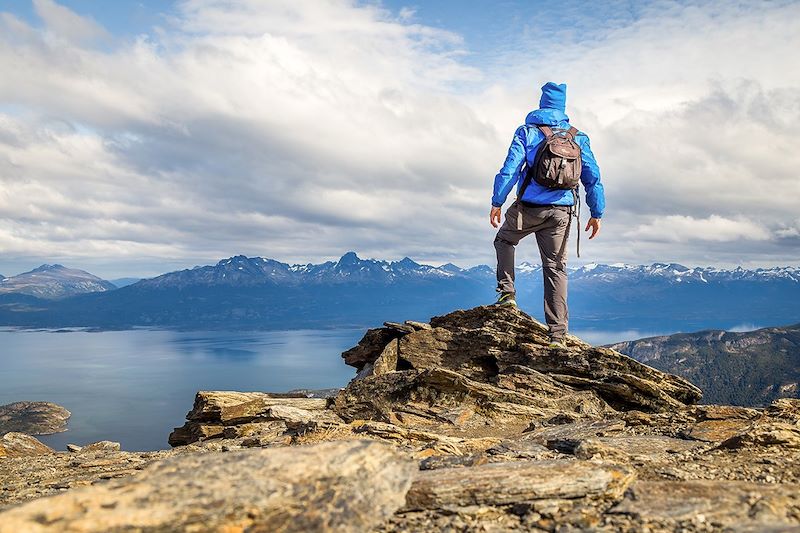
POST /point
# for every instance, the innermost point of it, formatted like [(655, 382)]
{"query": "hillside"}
[(752, 368), (54, 281)]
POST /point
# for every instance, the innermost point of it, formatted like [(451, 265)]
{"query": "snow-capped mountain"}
[(54, 281), (676, 273), (668, 272), (241, 270), (256, 292)]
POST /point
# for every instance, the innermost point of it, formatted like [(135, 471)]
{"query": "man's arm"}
[(595, 196), (508, 176)]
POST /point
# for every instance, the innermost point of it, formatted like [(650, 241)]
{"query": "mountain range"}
[(259, 293), (751, 368)]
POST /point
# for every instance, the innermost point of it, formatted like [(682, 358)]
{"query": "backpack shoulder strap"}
[(572, 132), (546, 130)]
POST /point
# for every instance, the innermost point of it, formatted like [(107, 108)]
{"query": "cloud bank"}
[(299, 130)]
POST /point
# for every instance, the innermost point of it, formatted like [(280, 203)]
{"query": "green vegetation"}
[(751, 368)]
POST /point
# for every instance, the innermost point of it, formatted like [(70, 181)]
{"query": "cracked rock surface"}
[(467, 423)]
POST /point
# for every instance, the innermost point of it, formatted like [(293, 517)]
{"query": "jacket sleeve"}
[(505, 179), (590, 177)]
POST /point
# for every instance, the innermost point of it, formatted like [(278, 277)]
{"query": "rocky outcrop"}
[(33, 418), (343, 486), (502, 434), (489, 364)]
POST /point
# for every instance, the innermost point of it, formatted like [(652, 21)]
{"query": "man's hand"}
[(494, 216), (593, 223)]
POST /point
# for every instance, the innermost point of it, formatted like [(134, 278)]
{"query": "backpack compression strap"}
[(547, 132)]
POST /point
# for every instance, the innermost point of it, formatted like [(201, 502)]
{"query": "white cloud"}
[(677, 228), (66, 24), (299, 130)]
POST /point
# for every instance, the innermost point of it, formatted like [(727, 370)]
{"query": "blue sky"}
[(488, 28), (139, 137), (122, 18)]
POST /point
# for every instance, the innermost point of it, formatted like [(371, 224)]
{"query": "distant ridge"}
[(260, 293), (349, 268)]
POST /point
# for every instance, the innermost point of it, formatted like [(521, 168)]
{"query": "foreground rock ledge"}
[(342, 486)]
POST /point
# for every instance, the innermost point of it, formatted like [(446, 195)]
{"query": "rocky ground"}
[(467, 423)]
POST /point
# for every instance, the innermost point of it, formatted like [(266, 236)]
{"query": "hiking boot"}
[(506, 299), (557, 342)]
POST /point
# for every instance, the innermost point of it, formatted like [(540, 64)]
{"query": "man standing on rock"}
[(547, 159)]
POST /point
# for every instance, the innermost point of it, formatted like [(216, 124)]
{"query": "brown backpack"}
[(557, 165)]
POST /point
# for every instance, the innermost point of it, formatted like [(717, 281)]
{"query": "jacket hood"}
[(554, 96), (552, 105)]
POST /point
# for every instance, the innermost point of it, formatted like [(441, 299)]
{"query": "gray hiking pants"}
[(550, 226)]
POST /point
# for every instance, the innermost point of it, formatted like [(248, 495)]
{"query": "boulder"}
[(14, 444), (103, 445), (228, 407), (215, 412), (33, 418), (339, 486)]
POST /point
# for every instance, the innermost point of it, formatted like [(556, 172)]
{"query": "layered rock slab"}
[(713, 504), (515, 482), (218, 414), (341, 486), (491, 366)]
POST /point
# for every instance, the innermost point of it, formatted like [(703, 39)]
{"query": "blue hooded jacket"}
[(527, 139)]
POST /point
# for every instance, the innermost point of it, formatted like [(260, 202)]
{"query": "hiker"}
[(547, 193)]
